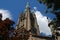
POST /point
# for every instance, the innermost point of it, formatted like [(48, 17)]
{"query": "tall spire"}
[(27, 6)]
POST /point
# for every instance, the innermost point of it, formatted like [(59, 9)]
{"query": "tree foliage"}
[(54, 6), (6, 29)]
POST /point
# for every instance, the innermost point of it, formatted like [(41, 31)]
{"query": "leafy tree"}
[(6, 28), (54, 6)]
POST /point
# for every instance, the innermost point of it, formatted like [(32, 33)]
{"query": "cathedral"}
[(27, 27)]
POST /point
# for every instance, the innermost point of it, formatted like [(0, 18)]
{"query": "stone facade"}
[(27, 26), (58, 37), (35, 37), (28, 21)]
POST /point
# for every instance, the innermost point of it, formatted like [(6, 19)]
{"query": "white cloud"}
[(5, 14), (42, 22)]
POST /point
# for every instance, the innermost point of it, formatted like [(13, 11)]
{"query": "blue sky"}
[(18, 6), (15, 7)]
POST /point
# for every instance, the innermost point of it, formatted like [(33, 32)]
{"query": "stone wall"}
[(38, 38), (58, 37)]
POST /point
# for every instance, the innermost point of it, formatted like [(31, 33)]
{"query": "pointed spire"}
[(27, 6)]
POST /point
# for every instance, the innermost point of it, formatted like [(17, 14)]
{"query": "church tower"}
[(27, 27), (27, 24), (28, 21)]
